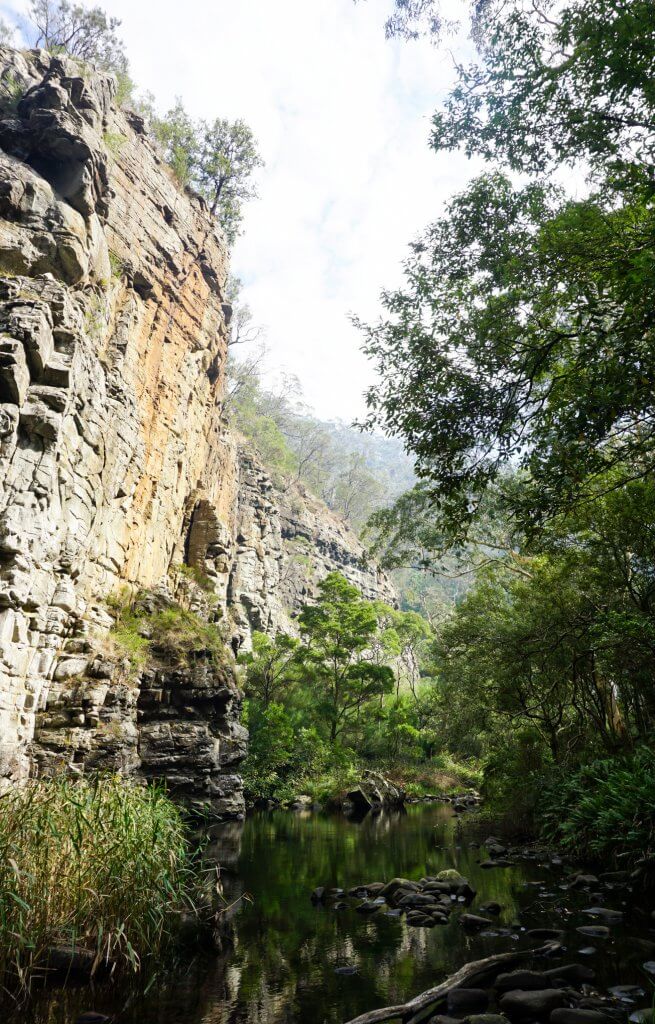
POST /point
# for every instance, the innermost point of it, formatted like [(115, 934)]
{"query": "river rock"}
[(544, 933), (486, 1018), (649, 966), (646, 1015), (627, 993), (522, 980), (467, 1000), (398, 883), (491, 907), (367, 907), (594, 931), (318, 894), (583, 881), (535, 1005), (611, 916), (575, 974), (579, 1015)]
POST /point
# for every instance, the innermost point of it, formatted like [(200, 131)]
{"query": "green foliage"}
[(216, 159), (79, 31), (605, 810), (145, 630), (338, 632), (102, 864), (317, 705)]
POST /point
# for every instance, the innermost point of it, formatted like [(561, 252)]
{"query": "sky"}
[(342, 117)]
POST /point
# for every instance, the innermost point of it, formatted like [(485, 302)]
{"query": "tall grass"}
[(101, 865), (606, 810)]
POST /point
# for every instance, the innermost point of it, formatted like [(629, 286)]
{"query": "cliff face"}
[(114, 462), (283, 542)]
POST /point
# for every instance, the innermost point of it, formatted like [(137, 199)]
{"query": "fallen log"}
[(477, 972)]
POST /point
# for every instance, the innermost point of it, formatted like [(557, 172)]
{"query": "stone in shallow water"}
[(643, 1016), (467, 1000), (594, 931), (627, 993), (523, 981), (611, 916), (576, 974), (345, 970), (587, 951), (649, 966), (486, 1018), (529, 1006), (578, 1015), (472, 922)]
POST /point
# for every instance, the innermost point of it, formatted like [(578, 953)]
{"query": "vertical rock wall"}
[(112, 348), (115, 465)]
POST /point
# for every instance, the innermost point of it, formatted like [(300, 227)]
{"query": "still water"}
[(282, 964)]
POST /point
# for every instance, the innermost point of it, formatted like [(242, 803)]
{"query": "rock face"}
[(112, 347), (115, 462), (272, 548)]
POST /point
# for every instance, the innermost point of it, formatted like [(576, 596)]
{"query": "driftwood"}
[(479, 971)]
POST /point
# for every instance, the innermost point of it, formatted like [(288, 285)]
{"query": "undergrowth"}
[(171, 633), (101, 864), (605, 811)]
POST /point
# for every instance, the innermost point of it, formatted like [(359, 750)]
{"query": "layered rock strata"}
[(115, 463), (112, 348)]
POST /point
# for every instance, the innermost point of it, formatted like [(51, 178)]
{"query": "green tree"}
[(338, 633), (270, 668), (177, 135), (226, 161), (84, 32)]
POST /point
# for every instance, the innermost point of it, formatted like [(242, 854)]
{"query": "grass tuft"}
[(100, 865)]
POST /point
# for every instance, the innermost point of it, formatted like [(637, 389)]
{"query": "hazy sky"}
[(342, 119)]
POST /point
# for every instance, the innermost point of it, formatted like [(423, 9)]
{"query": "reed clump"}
[(92, 864)]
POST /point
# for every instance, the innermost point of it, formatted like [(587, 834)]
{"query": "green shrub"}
[(103, 865), (171, 632), (606, 810)]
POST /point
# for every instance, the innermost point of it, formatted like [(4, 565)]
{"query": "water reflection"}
[(281, 967)]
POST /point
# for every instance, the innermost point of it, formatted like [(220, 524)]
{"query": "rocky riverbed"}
[(556, 986)]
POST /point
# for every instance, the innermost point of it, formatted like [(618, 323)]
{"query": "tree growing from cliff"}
[(84, 32), (227, 159), (338, 633), (270, 668), (217, 159)]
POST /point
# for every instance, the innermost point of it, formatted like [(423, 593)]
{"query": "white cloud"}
[(342, 118)]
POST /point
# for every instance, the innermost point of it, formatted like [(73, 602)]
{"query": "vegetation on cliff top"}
[(216, 159)]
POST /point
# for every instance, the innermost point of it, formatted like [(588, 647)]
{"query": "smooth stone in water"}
[(627, 993), (576, 1015), (611, 916), (367, 907), (594, 931), (528, 1006), (472, 922), (467, 1000), (523, 981), (587, 951), (649, 966), (486, 1018), (576, 974), (491, 907), (345, 970), (643, 1016)]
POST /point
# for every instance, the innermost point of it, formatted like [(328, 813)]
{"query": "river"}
[(286, 959)]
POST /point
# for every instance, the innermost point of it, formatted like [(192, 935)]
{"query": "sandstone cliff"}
[(115, 465)]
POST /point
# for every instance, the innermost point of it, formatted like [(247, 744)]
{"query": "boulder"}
[(523, 981), (467, 1000), (534, 1005)]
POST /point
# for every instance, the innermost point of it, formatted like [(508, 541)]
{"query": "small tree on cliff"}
[(85, 32), (227, 159), (338, 634)]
